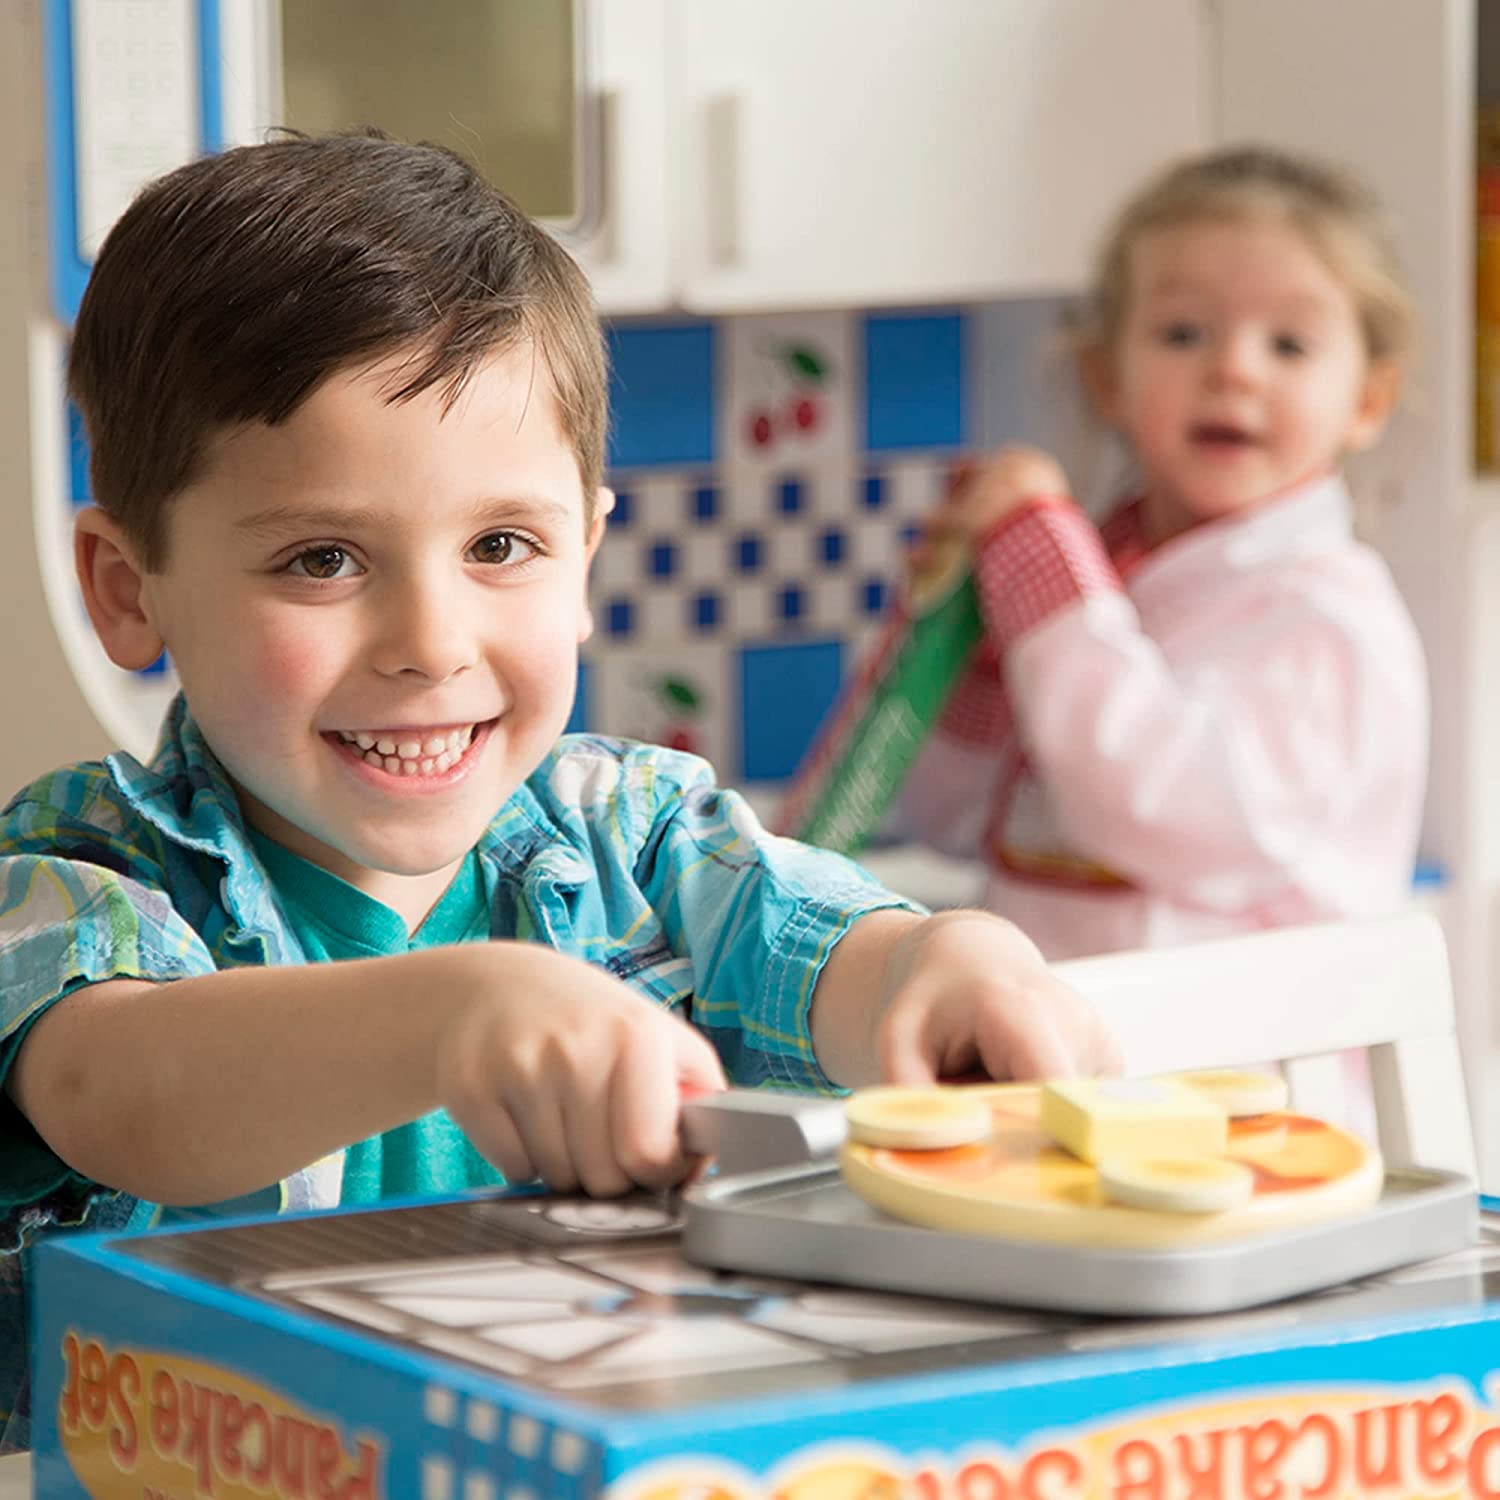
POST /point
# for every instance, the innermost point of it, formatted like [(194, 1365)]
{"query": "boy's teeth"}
[(428, 755)]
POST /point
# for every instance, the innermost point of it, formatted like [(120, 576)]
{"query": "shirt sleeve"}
[(64, 924), (1208, 787), (1038, 560), (757, 917)]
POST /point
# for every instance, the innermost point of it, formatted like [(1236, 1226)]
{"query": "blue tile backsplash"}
[(662, 394), (768, 481)]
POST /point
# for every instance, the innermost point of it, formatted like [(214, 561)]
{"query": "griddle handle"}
[(751, 1130)]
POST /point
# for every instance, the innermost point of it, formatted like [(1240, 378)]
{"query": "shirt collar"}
[(1314, 517)]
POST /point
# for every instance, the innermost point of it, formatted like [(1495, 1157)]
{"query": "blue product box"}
[(518, 1348)]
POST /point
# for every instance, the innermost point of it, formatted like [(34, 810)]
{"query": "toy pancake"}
[(1016, 1182)]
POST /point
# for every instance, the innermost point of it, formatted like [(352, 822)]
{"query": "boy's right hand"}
[(557, 1070)]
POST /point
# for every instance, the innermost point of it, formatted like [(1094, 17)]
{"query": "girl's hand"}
[(982, 493)]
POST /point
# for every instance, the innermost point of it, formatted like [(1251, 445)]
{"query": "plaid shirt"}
[(625, 855)]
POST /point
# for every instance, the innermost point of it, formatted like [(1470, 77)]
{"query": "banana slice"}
[(1177, 1184), (930, 1119), (1240, 1093)]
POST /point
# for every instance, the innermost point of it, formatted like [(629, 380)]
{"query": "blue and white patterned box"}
[(525, 1348)]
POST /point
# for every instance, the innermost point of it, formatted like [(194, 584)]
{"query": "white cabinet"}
[(624, 241), (830, 152), (730, 155)]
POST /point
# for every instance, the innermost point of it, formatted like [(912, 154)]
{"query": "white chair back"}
[(1300, 997)]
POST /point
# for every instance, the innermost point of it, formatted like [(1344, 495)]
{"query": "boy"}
[(347, 412)]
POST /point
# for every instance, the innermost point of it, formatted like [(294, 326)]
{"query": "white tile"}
[(704, 558), (616, 564), (874, 546), (632, 699), (478, 1486), (659, 499), (742, 502), (831, 604), (758, 374), (659, 615), (830, 492), (790, 553), (753, 610), (913, 487)]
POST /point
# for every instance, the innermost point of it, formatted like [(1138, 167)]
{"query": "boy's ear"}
[(1377, 400), (111, 579), (604, 502)]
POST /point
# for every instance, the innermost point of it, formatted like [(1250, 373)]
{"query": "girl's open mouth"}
[(1222, 435)]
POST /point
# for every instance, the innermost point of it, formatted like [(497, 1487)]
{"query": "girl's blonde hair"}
[(1332, 208)]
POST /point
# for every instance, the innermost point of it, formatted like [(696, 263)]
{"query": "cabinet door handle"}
[(722, 124), (600, 175)]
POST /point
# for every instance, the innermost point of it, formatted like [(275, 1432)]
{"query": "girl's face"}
[(1240, 369)]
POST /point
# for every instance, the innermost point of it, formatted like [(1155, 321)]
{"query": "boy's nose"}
[(421, 632)]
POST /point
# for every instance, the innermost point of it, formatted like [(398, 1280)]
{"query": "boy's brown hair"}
[(1334, 210), (233, 286)]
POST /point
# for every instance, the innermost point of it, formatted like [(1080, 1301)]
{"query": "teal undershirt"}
[(333, 920)]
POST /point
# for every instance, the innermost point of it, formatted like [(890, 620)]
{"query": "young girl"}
[(1208, 715)]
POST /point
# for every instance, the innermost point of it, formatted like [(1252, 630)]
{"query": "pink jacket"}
[(1232, 736)]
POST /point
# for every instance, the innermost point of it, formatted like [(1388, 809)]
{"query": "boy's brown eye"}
[(323, 562), (496, 548)]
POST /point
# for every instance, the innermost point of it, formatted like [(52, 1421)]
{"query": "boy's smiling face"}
[(375, 612)]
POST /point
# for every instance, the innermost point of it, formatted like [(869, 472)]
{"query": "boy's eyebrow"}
[(278, 520)]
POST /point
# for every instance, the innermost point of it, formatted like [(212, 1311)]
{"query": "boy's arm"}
[(209, 1087), (907, 999)]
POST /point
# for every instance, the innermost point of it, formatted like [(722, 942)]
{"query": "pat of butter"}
[(1099, 1117)]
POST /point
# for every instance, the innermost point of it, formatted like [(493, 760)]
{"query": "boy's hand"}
[(558, 1070), (966, 991), (981, 493)]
